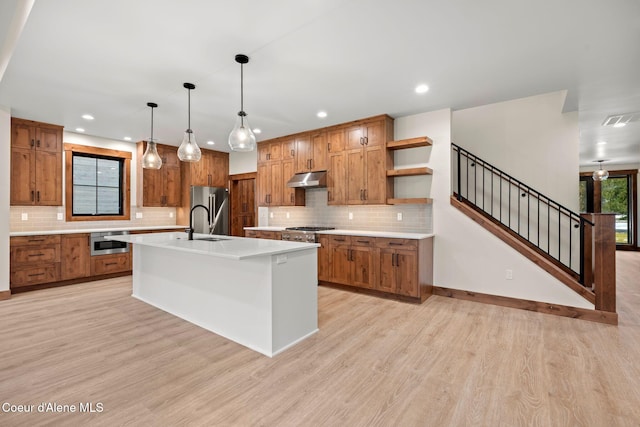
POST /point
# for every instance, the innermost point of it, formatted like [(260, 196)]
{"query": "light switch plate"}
[(138, 215), (270, 214), (24, 216), (60, 216), (350, 215), (509, 275), (170, 214)]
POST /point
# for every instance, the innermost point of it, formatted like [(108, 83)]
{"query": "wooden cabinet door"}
[(277, 184), (263, 152), (23, 173), (275, 151), (288, 194), (363, 266), (375, 175), (337, 179), (263, 183), (340, 264), (324, 259), (22, 135), (387, 271), (355, 177), (374, 133), (49, 139), (172, 195), (169, 156), (407, 273), (219, 170), (153, 193), (354, 137), (76, 256), (48, 174), (319, 152), (335, 140), (199, 171), (303, 153), (289, 149)]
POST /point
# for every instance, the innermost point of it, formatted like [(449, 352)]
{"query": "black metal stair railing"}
[(544, 224)]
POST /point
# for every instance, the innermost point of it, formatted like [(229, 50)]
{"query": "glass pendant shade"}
[(151, 159), (189, 150), (600, 175), (241, 137)]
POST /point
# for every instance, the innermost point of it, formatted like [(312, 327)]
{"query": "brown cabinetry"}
[(108, 264), (159, 187), (402, 267), (36, 163), (34, 260), (75, 259), (311, 152), (263, 234), (275, 168)]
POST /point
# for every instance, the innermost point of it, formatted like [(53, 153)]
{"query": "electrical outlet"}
[(60, 216), (270, 214), (399, 216), (24, 216), (288, 215), (281, 259), (138, 215), (350, 215), (170, 214), (509, 275)]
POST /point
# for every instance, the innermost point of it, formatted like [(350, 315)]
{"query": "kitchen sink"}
[(209, 239)]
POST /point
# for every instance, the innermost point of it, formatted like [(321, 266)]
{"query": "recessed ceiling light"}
[(87, 117), (619, 125), (422, 88), (322, 114), (127, 138), (210, 142), (602, 143), (256, 130), (79, 130)]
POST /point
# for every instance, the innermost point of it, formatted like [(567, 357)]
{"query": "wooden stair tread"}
[(421, 141), (410, 171)]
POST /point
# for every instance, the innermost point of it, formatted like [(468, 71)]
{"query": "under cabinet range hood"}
[(308, 180)]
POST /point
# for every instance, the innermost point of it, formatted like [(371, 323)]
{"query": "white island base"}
[(267, 303)]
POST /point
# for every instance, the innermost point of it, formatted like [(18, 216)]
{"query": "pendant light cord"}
[(151, 124), (242, 95), (189, 112)]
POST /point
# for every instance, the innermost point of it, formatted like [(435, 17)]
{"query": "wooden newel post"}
[(604, 257), (587, 251)]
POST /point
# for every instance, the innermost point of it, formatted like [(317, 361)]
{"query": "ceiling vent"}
[(620, 120)]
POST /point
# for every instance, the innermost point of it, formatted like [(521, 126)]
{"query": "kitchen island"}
[(259, 293)]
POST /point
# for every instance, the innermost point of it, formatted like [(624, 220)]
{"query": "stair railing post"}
[(586, 251), (459, 176), (604, 257)]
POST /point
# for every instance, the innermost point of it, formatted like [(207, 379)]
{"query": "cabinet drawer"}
[(53, 239), (339, 240), (43, 273), (362, 241), (106, 264), (251, 233), (407, 244), (29, 254)]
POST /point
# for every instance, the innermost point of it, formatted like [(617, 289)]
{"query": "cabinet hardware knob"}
[(366, 140), (35, 275), (33, 255), (35, 240), (38, 143), (395, 244), (110, 263), (33, 195), (38, 196), (33, 143), (365, 193), (292, 152)]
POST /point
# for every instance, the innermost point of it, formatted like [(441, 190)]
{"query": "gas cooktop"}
[(309, 228)]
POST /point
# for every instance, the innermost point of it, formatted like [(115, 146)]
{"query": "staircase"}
[(578, 250)]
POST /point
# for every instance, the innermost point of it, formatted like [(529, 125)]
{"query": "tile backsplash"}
[(45, 218), (415, 218)]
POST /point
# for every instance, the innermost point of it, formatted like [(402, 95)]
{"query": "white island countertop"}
[(236, 248)]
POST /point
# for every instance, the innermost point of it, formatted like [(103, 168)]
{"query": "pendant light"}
[(600, 174), (241, 137), (189, 150), (150, 158)]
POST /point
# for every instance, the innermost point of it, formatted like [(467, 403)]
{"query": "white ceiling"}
[(352, 58)]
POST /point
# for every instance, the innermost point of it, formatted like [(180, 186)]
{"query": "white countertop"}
[(236, 248), (265, 228), (94, 230), (389, 234)]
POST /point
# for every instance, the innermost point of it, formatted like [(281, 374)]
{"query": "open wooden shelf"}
[(410, 171), (410, 201), (422, 141)]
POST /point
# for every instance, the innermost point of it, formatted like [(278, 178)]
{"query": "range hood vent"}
[(308, 180)]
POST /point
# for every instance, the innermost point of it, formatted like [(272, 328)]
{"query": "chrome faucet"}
[(191, 219)]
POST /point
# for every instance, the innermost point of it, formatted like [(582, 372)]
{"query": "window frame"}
[(125, 156)]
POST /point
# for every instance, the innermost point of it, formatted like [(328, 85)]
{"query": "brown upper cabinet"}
[(159, 187), (276, 163), (211, 171), (36, 163), (311, 152)]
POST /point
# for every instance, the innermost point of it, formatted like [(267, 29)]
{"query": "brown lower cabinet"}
[(76, 256), (263, 234), (109, 264), (34, 260), (402, 267)]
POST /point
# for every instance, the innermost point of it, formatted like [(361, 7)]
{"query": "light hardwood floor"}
[(374, 362)]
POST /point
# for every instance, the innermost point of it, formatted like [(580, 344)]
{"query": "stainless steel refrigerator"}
[(216, 199)]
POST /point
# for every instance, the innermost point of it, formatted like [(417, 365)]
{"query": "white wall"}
[(528, 138), (243, 162), (111, 144), (466, 256), (5, 167)]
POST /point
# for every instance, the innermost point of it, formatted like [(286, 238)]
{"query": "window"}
[(96, 184), (615, 195)]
